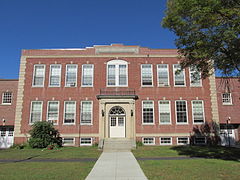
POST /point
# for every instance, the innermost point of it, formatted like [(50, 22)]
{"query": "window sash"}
[(53, 111), (87, 75), (198, 111), (195, 77), (182, 140), (148, 112), (163, 75), (55, 75), (226, 98), (117, 75), (181, 112), (36, 111), (148, 140), (38, 75), (164, 112), (86, 112), (68, 141), (165, 140), (7, 98), (86, 141), (69, 112), (71, 75), (179, 78), (146, 74)]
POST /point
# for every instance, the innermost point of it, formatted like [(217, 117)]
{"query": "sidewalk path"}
[(116, 166)]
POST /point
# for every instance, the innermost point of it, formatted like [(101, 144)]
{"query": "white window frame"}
[(48, 111), (190, 77), (149, 144), (169, 112), (91, 113), (65, 112), (153, 113), (142, 76), (181, 123), (165, 144), (183, 71), (83, 76), (33, 76), (30, 116), (3, 98), (117, 63), (73, 144), (182, 143), (81, 144), (66, 75), (202, 112), (227, 103), (158, 77), (205, 140), (50, 72)]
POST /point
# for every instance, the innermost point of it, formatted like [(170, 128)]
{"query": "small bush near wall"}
[(44, 134)]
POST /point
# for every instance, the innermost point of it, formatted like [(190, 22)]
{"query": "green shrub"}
[(19, 146), (43, 134), (139, 143)]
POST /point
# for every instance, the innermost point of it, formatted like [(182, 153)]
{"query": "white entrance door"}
[(6, 137), (227, 135), (117, 126)]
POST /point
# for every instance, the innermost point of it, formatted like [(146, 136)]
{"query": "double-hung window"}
[(7, 98), (226, 99), (87, 75), (55, 75), (86, 112), (148, 112), (71, 75), (117, 73), (198, 111), (53, 111), (69, 112), (147, 75), (38, 75), (163, 75), (164, 112), (195, 77), (179, 75), (36, 111), (181, 112)]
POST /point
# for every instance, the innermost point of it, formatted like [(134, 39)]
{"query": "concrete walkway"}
[(116, 166)]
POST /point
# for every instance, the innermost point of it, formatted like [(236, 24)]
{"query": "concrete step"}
[(118, 144)]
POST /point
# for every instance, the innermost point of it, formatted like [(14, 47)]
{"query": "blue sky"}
[(40, 24)]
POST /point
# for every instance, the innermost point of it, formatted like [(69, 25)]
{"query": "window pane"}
[(70, 110), (164, 112), (55, 75), (39, 73), (86, 141), (195, 77), (111, 75), (71, 75), (146, 74), (53, 111), (163, 75), (226, 98), (198, 116), (122, 75), (147, 112), (7, 98), (181, 109), (148, 141), (36, 112), (86, 112), (87, 75), (165, 140), (179, 75)]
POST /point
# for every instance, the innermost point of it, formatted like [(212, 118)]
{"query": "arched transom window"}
[(117, 73), (117, 110)]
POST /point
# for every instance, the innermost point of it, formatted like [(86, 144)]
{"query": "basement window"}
[(165, 141), (148, 141), (68, 141), (85, 141)]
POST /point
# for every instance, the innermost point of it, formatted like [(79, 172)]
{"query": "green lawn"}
[(61, 153), (47, 170), (215, 163)]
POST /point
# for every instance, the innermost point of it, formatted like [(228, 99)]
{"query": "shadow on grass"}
[(216, 152)]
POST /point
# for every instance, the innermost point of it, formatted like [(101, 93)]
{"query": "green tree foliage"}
[(206, 30), (43, 134)]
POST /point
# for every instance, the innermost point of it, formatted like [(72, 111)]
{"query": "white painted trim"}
[(66, 75), (142, 77), (182, 143), (86, 144), (65, 112), (85, 124), (154, 142), (168, 75), (175, 69), (30, 116), (153, 113), (48, 109), (165, 144), (34, 69), (202, 112), (92, 76), (177, 123), (50, 72), (170, 123)]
